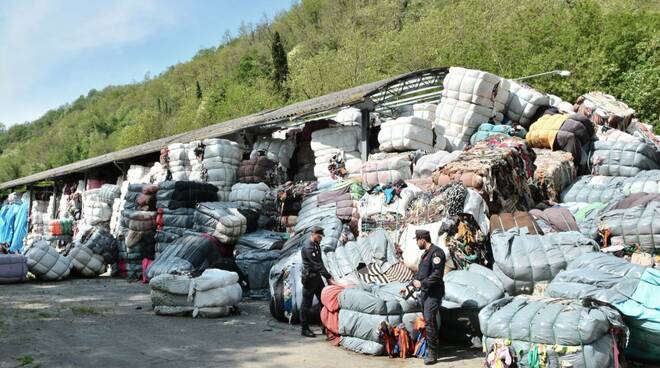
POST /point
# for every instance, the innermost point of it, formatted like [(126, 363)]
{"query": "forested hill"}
[(327, 45)]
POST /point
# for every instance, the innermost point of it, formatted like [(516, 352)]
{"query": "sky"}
[(52, 51)]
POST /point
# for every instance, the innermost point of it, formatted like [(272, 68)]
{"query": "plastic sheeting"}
[(524, 102), (522, 260), (221, 220), (46, 263), (386, 172), (192, 253), (635, 226), (406, 134)]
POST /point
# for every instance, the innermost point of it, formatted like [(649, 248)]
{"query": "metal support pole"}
[(364, 135)]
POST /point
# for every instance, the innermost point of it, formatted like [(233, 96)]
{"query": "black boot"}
[(431, 357), (307, 332)]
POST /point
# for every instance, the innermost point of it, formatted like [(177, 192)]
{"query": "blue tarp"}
[(14, 224)]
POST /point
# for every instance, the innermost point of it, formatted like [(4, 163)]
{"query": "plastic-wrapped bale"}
[(635, 226), (487, 130), (213, 294), (524, 102), (644, 182), (100, 242), (131, 258), (277, 150), (259, 169), (623, 159), (172, 224), (555, 219), (46, 263), (336, 147), (466, 293), (592, 189), (555, 171), (192, 253), (178, 163), (249, 196), (425, 111), (184, 194), (476, 87), (139, 225), (13, 268), (85, 261), (631, 289), (505, 221), (586, 216), (361, 311), (523, 262), (386, 172), (567, 333), (456, 121), (607, 134), (349, 116), (108, 193), (140, 197), (427, 164), (95, 211), (604, 109), (256, 264), (305, 162), (224, 150), (406, 134), (500, 169), (39, 217), (562, 132), (222, 220)]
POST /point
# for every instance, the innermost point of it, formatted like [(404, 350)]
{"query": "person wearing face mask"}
[(428, 280), (313, 270)]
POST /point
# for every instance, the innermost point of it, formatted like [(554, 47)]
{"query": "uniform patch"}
[(436, 260)]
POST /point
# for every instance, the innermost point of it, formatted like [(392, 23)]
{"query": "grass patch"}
[(25, 360), (83, 310), (44, 315)]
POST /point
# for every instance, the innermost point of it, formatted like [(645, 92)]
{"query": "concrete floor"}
[(109, 323)]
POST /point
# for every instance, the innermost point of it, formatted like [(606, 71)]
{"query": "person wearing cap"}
[(428, 280), (313, 270)]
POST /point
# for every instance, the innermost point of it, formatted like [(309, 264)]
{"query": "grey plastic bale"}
[(522, 260), (634, 226), (592, 189), (471, 289), (361, 346), (623, 159)]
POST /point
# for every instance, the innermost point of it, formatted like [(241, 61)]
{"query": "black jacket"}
[(312, 262), (430, 272)]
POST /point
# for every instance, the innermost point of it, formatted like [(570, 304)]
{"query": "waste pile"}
[(545, 211)]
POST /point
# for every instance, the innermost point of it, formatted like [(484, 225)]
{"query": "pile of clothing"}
[(427, 164), (223, 221), (279, 151), (500, 169), (469, 98), (215, 293), (259, 169), (532, 332), (604, 109), (555, 171), (220, 161), (487, 130), (336, 152), (387, 172)]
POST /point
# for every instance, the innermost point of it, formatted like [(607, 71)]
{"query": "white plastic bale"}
[(249, 196), (278, 150), (224, 150), (215, 288), (349, 115), (425, 111), (427, 164), (46, 263), (524, 102), (386, 172), (86, 261), (406, 134), (344, 138), (476, 87), (457, 121)]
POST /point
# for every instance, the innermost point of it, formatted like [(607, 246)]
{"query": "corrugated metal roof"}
[(351, 96)]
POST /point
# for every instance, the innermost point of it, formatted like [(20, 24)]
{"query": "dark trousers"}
[(431, 307), (311, 287)]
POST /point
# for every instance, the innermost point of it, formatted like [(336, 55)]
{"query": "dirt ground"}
[(109, 323)]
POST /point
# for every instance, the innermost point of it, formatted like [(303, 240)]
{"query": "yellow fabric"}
[(543, 132)]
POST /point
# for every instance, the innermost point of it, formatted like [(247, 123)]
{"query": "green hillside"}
[(609, 45)]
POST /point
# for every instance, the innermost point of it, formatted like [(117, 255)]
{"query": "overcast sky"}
[(51, 51)]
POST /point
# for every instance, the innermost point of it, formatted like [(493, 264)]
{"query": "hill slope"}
[(609, 45)]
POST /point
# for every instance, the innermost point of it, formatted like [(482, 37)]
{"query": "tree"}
[(199, 90), (280, 65)]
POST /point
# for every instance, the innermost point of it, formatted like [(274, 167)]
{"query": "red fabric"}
[(330, 320), (330, 297), (146, 262), (94, 184), (121, 265), (159, 219)]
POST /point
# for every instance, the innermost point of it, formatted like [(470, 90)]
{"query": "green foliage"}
[(320, 46)]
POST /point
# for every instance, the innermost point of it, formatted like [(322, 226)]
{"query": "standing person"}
[(312, 271), (432, 288)]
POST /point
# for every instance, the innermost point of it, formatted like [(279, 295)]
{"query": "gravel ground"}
[(109, 323)]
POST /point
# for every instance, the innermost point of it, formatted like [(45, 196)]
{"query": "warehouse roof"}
[(378, 92)]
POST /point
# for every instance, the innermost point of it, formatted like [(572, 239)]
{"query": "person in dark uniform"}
[(428, 280), (313, 270)]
